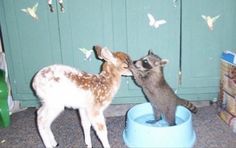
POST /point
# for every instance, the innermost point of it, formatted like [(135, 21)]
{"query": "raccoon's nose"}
[(134, 62)]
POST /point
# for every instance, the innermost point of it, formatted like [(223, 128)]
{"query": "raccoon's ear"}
[(164, 62), (150, 52)]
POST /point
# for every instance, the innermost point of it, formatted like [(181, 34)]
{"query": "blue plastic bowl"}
[(138, 133)]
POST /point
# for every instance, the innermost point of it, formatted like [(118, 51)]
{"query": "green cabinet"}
[(202, 47), (133, 32), (184, 39), (29, 44), (83, 25)]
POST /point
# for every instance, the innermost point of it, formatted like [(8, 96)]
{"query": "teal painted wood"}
[(29, 44), (83, 25), (202, 47), (133, 33), (120, 25)]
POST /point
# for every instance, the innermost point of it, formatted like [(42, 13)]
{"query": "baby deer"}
[(60, 86)]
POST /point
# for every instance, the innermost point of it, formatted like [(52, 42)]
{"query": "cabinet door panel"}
[(83, 25), (163, 40), (133, 33), (121, 25), (29, 43), (202, 47)]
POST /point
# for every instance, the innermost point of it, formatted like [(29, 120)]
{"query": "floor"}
[(211, 131)]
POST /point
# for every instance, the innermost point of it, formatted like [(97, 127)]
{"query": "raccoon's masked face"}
[(149, 62)]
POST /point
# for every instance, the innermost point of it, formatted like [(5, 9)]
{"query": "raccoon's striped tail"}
[(187, 104)]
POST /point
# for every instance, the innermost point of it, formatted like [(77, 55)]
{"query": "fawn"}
[(60, 86)]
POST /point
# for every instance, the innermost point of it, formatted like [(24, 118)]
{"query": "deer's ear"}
[(98, 50), (107, 55)]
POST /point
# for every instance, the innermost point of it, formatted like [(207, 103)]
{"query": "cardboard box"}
[(228, 74), (229, 85), (228, 119), (230, 103), (227, 94)]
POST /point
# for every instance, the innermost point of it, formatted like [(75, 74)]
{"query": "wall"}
[(1, 44)]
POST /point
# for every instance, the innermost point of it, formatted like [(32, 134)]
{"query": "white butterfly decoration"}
[(210, 20), (31, 11), (87, 53), (155, 23)]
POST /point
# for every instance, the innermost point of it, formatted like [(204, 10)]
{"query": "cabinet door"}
[(133, 32), (83, 25), (121, 25), (29, 44), (202, 46)]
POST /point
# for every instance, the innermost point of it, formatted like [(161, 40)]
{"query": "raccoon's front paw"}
[(131, 65), (129, 62)]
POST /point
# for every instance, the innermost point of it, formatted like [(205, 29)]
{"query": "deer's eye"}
[(125, 66)]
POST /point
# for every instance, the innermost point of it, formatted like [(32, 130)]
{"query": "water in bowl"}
[(145, 119)]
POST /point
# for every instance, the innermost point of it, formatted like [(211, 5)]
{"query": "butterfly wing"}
[(88, 55), (31, 11), (35, 7), (24, 10), (215, 18), (159, 22), (84, 50), (204, 17), (151, 19)]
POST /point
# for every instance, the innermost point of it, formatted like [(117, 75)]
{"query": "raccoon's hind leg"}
[(157, 116), (170, 116)]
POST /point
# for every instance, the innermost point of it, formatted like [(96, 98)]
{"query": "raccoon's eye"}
[(146, 64), (145, 61)]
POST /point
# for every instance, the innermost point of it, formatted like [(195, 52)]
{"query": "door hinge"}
[(175, 3), (179, 78)]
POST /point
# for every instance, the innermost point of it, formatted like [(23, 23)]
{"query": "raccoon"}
[(148, 74)]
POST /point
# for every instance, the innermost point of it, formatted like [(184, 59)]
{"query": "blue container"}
[(229, 57), (138, 133)]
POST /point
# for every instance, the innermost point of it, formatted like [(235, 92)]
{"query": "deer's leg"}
[(86, 127), (97, 120), (45, 116)]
